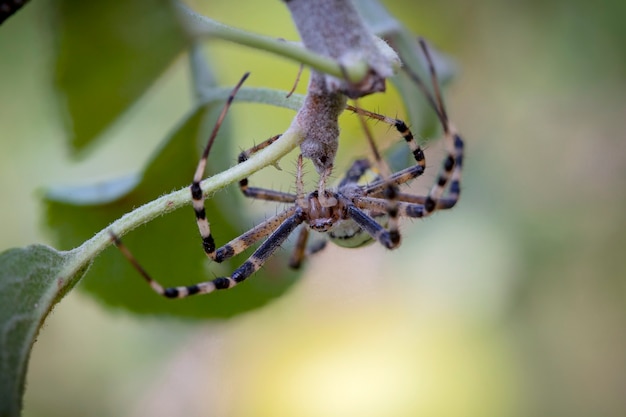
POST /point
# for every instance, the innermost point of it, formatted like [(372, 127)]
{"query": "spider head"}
[(323, 212)]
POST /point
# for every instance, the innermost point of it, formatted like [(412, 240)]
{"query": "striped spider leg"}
[(409, 205)]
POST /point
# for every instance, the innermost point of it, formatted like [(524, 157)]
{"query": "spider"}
[(350, 215)]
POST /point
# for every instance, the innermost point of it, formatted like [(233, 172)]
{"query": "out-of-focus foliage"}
[(125, 45)]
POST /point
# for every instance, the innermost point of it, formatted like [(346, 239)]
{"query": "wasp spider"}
[(351, 215)]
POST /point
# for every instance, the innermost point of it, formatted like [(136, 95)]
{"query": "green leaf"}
[(32, 281), (109, 53), (170, 246)]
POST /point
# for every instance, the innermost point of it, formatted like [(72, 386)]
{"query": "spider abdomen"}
[(348, 234)]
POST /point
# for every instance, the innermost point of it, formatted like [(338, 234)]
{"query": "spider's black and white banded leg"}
[(254, 262), (405, 132), (449, 176), (390, 237), (453, 164), (290, 219), (197, 196), (382, 186), (443, 203), (380, 204), (377, 188), (387, 186), (249, 238), (262, 193), (303, 251), (385, 237), (300, 251), (357, 212)]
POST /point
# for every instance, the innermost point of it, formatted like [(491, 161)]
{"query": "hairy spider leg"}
[(404, 131), (262, 193), (453, 163), (197, 196), (389, 237), (450, 173), (280, 226)]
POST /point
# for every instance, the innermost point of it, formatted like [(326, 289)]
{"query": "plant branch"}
[(203, 26)]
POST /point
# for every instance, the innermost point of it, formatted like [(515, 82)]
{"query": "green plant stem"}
[(202, 26), (276, 98)]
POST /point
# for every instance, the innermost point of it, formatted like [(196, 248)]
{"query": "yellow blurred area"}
[(512, 304), (369, 361)]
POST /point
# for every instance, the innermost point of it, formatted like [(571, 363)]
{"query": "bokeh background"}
[(513, 304)]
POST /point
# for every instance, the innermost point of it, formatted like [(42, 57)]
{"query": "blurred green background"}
[(513, 304)]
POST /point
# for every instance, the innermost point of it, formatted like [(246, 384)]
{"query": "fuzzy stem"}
[(203, 26)]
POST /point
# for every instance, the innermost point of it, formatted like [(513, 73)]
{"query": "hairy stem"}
[(203, 26)]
